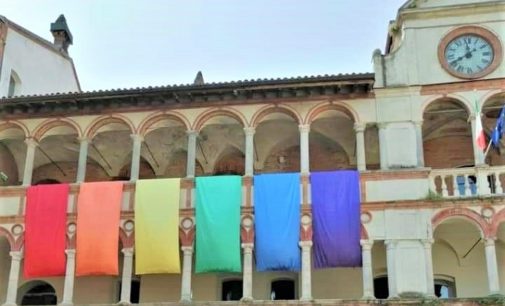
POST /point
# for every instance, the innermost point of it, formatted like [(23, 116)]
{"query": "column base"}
[(124, 303), (247, 299), (368, 297), (306, 299), (185, 301), (66, 304)]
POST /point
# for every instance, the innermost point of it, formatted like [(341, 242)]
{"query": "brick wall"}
[(448, 152)]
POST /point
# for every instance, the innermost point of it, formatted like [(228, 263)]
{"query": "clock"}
[(470, 52)]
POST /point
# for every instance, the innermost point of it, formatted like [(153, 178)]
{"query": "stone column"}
[(12, 286), (306, 271), (304, 148), (249, 151), (83, 158), (391, 266), (382, 145), (430, 283), (419, 140), (137, 146), (359, 128), (478, 155), (126, 279), (247, 277), (68, 289), (187, 262), (492, 267), (367, 269), (31, 145), (190, 165)]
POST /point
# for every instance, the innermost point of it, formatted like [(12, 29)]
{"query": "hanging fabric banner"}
[(336, 219), (97, 233), (217, 212), (157, 226), (45, 230), (277, 221)]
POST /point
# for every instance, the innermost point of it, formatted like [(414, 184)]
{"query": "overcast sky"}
[(131, 43)]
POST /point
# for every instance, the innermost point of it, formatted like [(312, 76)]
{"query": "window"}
[(283, 290), (38, 293), (134, 291), (231, 290), (14, 85)]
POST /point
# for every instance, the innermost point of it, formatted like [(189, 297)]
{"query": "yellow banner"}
[(157, 226)]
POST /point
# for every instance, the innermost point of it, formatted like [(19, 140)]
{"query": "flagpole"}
[(487, 149)]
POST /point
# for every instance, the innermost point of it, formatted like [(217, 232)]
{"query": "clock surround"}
[(480, 32)]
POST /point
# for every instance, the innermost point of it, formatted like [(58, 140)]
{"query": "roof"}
[(243, 91)]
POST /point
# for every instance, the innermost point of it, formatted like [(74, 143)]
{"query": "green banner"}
[(217, 212)]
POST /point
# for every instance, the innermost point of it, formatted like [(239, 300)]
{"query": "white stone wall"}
[(39, 69)]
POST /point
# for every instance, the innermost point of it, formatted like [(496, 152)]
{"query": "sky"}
[(137, 43)]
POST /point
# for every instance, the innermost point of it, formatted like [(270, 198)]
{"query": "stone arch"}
[(46, 126), (497, 220), (215, 112), (105, 120), (7, 234), (157, 117), (462, 101), (324, 107), (462, 213), (278, 108), (7, 125)]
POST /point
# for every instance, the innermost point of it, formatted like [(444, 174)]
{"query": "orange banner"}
[(98, 214)]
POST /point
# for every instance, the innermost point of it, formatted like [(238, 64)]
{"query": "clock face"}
[(469, 54)]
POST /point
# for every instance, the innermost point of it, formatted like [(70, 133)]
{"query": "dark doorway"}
[(231, 290), (40, 294), (283, 290), (381, 289)]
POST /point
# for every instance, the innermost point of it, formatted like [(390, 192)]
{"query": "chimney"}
[(61, 34)]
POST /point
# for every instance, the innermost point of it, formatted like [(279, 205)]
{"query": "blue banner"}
[(277, 221)]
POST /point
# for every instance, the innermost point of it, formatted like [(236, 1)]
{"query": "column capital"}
[(192, 133), (427, 243), (137, 137), (83, 139), (418, 123), (31, 142), (247, 246), (70, 252), (359, 127), (304, 128), (16, 255), (489, 242), (127, 252), (305, 244), (249, 131), (390, 244), (187, 250), (366, 244)]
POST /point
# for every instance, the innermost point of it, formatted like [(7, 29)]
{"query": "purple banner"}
[(336, 219)]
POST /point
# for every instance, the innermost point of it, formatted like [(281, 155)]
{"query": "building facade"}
[(432, 203)]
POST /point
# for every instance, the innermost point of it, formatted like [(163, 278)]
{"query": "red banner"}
[(98, 214), (45, 230)]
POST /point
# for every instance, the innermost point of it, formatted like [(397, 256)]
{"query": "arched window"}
[(445, 287), (231, 290), (283, 289), (14, 85), (37, 293)]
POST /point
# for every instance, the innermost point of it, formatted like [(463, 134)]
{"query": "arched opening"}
[(111, 147), (14, 85), (332, 141), (283, 289), (37, 293), (381, 287), (221, 137), (12, 154), (445, 287), (231, 290), (458, 254), (165, 147), (277, 144), (447, 135), (5, 260)]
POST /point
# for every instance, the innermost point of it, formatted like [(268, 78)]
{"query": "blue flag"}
[(498, 130)]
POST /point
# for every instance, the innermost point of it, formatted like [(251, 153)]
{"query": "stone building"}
[(432, 204)]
